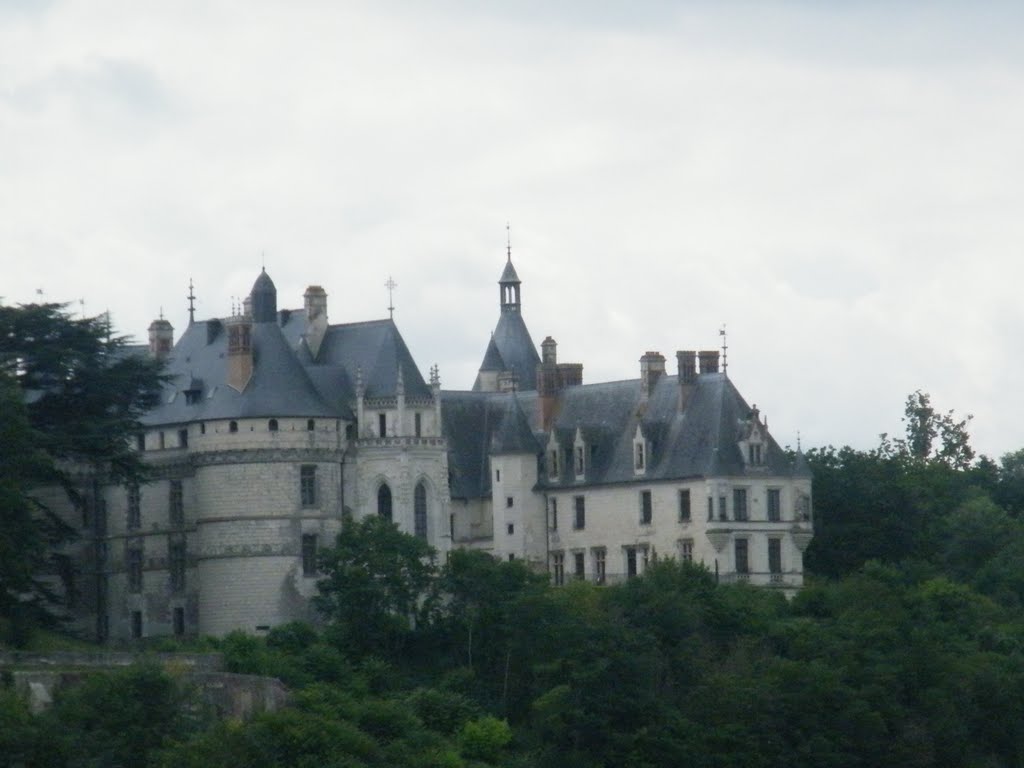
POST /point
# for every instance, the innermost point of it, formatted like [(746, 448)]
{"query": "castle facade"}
[(275, 422)]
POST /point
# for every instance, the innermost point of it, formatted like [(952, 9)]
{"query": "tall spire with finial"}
[(191, 302), (725, 349), (508, 241)]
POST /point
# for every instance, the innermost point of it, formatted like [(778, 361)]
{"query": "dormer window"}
[(553, 462), (579, 453), (754, 454), (639, 453)]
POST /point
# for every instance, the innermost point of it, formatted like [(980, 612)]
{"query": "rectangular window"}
[(179, 621), (509, 502), (580, 518), (307, 485), (686, 550), (511, 528), (309, 567), (775, 555), (382, 424), (418, 425), (722, 515), (134, 570), (554, 514), (646, 508), (553, 463), (176, 505), (742, 561), (774, 505), (579, 460), (497, 475), (739, 503), (140, 442), (638, 457), (599, 565), (136, 624), (711, 508), (134, 507), (176, 556), (183, 438), (558, 568), (631, 561), (578, 571), (161, 441), (684, 506)]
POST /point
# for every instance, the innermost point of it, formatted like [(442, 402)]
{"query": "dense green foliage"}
[(905, 649), (70, 398)]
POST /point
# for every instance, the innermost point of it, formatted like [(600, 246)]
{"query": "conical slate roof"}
[(514, 434), (509, 275)]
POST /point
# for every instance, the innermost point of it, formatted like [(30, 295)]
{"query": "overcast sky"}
[(840, 184)]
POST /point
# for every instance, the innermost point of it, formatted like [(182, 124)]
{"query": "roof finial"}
[(508, 240), (798, 449), (161, 312), (725, 349), (391, 285), (191, 303)]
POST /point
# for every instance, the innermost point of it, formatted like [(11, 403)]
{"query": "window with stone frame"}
[(684, 505), (600, 565), (554, 514), (578, 565), (419, 510), (176, 504), (134, 568), (579, 460), (774, 505), (579, 521), (774, 555), (134, 515), (176, 566), (558, 568), (309, 554), (307, 485), (384, 502), (742, 556), (739, 504), (686, 550), (631, 562), (646, 508)]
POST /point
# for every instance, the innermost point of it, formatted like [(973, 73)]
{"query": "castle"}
[(274, 422)]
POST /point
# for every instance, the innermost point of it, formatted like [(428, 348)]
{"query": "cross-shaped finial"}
[(508, 241), (391, 285)]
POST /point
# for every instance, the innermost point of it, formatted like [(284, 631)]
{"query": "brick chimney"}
[(552, 378), (316, 317), (652, 368), (687, 360), (708, 360), (239, 351), (161, 338)]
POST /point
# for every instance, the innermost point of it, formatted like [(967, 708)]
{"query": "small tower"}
[(264, 299), (239, 330), (161, 338), (316, 317), (509, 285)]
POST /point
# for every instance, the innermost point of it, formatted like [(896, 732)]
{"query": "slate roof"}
[(699, 441), (279, 385), (509, 274), (515, 349), (286, 380)]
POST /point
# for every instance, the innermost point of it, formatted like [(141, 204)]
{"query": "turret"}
[(264, 299)]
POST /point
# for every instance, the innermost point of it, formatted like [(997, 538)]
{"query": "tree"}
[(378, 585), (924, 426), (71, 395)]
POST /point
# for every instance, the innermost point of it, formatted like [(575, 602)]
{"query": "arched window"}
[(233, 426), (272, 425), (384, 502), (419, 510)]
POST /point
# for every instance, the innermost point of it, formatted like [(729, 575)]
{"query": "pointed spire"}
[(191, 302)]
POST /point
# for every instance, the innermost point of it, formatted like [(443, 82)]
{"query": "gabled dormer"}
[(753, 440), (579, 453), (552, 457), (641, 451)]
